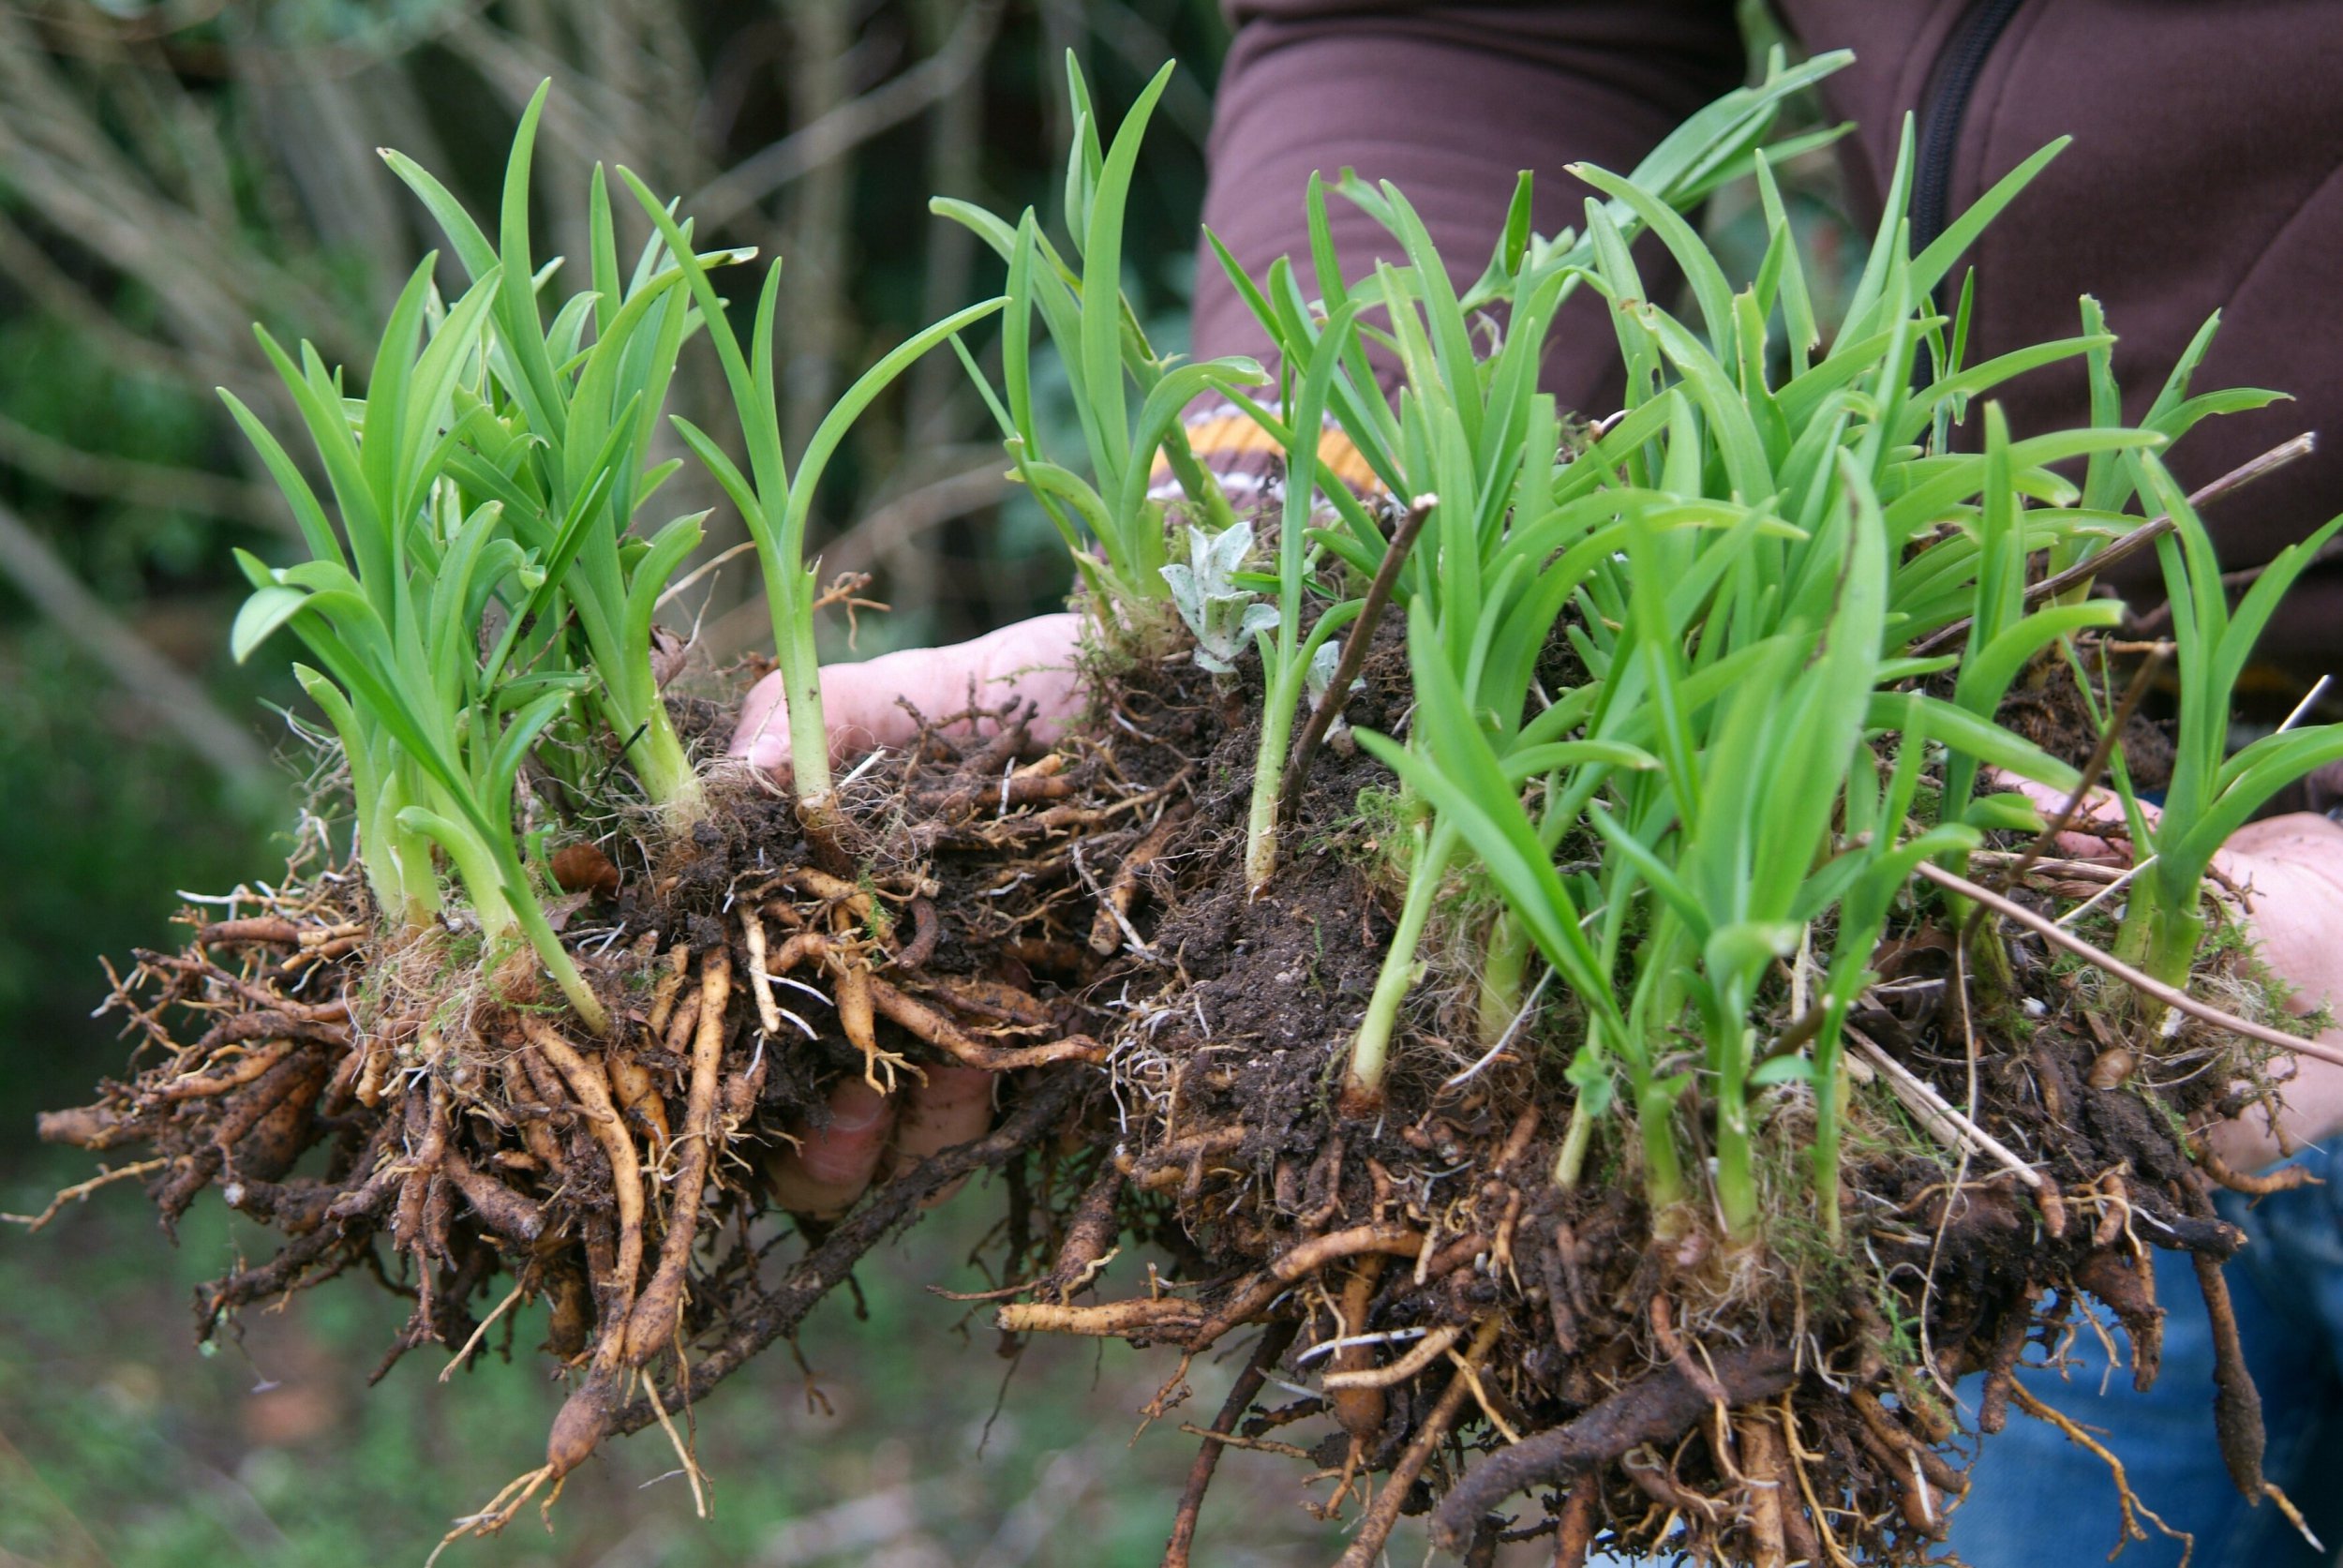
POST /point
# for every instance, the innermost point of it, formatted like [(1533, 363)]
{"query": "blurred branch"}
[(1145, 47), (891, 528), (29, 267), (850, 124), (170, 170), (88, 31), (1065, 29), (584, 112), (212, 280), (180, 703), (815, 217), (933, 411), (125, 479), (887, 530), (315, 133)]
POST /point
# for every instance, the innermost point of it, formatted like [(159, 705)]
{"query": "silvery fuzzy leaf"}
[(1225, 552), (1205, 660), (1229, 623), (1183, 585), (1223, 616), (1234, 619), (1321, 671), (1325, 664)]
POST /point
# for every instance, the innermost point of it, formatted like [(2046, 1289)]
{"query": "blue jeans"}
[(2042, 1502)]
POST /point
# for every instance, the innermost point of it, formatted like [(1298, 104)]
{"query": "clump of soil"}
[(2047, 710), (1075, 919), (1491, 1334)]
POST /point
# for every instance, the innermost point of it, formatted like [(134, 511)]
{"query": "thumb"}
[(2099, 808), (862, 703)]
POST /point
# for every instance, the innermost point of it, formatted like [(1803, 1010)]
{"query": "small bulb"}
[(2112, 1069)]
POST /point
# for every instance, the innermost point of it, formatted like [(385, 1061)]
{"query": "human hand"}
[(1032, 659), (832, 1164), (2291, 871)]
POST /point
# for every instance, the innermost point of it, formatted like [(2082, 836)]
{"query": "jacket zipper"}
[(1959, 65), (1945, 106)]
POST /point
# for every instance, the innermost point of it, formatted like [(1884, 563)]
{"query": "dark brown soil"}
[(1172, 1075), (2049, 711)]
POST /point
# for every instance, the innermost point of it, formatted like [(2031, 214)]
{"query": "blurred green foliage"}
[(109, 812), (170, 172), (120, 1445), (167, 173), (109, 819)]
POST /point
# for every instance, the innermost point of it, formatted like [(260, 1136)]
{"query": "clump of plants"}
[(1661, 1047)]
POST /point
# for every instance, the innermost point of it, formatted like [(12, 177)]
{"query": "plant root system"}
[(1454, 1329)]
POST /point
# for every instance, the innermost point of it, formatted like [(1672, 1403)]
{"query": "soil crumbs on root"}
[(1477, 1332), (1173, 1052)]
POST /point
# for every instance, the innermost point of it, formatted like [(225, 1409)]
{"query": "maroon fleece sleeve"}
[(1448, 102)]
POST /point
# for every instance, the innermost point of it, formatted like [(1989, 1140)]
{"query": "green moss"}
[(1904, 1336)]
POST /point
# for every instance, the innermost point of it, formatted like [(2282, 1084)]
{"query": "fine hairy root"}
[(1467, 1328), (2129, 1501), (1656, 1410), (1467, 1292)]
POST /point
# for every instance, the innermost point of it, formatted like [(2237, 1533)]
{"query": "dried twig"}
[(2171, 997), (159, 686), (1938, 1114), (2130, 543), (1354, 647), (821, 140), (1274, 1341), (2141, 678)]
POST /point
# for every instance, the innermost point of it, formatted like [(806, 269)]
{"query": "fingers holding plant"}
[(2288, 873), (837, 1155), (863, 703), (1591, 1033), (2282, 879)]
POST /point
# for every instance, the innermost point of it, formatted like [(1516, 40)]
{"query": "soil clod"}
[(1077, 921)]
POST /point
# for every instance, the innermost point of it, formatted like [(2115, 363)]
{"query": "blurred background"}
[(171, 173)]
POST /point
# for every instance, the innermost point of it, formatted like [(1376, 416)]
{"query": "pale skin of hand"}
[(2292, 868), (1033, 660)]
